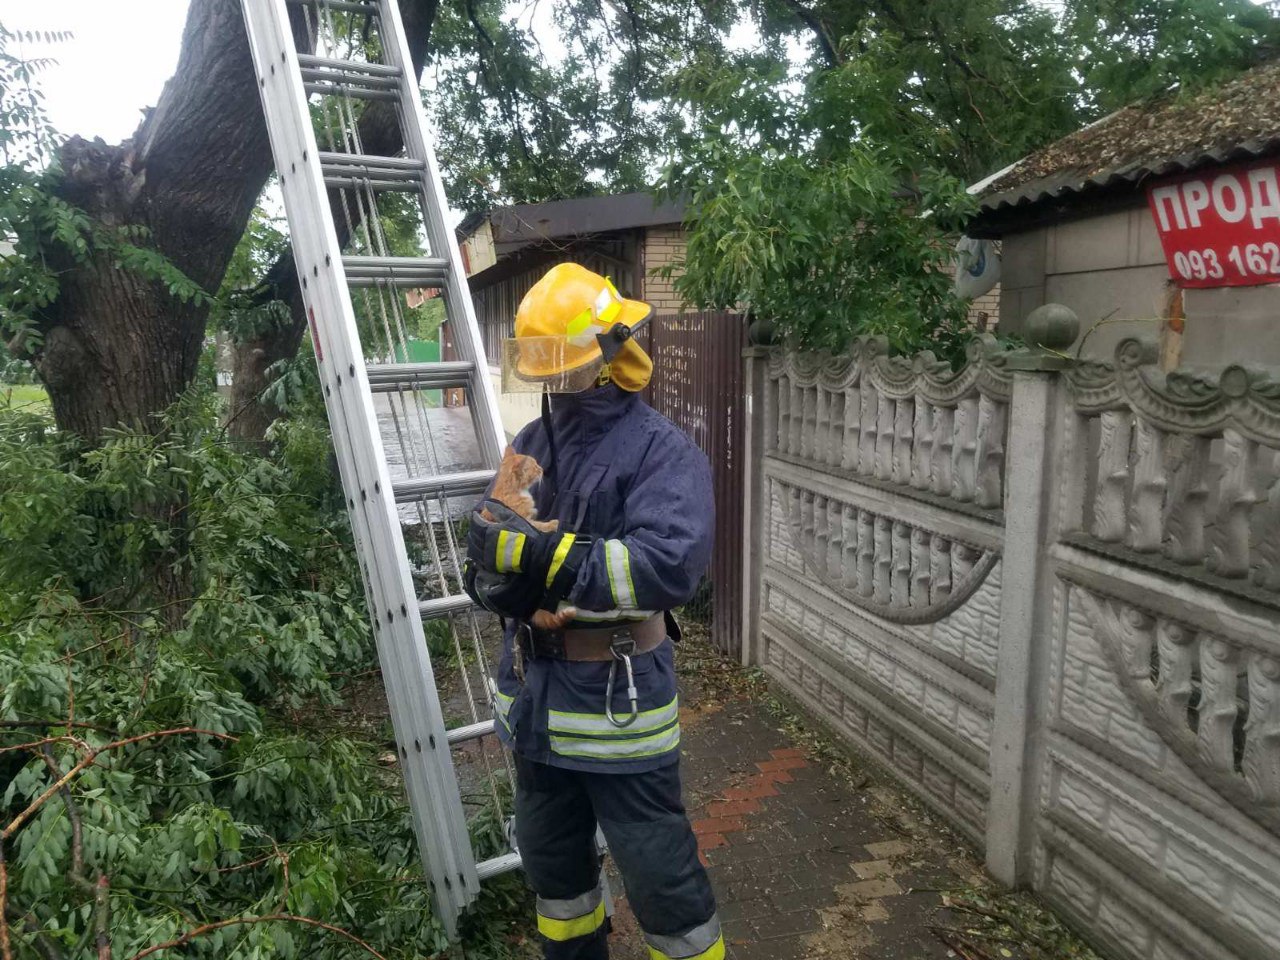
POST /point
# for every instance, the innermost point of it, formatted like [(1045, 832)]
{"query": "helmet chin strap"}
[(549, 472)]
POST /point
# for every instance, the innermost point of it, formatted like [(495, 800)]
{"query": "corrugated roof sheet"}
[(1237, 120)]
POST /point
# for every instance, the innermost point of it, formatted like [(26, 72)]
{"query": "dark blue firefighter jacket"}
[(629, 477)]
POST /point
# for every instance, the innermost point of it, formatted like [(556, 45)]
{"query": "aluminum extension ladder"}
[(408, 473)]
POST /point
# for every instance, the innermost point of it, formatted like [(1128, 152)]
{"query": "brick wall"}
[(984, 312), (662, 245)]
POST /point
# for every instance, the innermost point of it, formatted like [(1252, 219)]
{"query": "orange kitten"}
[(511, 487)]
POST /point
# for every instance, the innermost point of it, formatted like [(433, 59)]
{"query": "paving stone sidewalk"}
[(807, 863)]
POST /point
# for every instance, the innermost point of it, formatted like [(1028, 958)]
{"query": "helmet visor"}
[(549, 365)]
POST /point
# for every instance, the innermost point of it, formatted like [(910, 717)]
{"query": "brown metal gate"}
[(697, 384)]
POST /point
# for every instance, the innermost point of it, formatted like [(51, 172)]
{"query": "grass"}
[(19, 395)]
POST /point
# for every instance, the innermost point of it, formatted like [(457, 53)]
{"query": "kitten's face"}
[(525, 470)]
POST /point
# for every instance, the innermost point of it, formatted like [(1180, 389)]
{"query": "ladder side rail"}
[(417, 695), (291, 141), (441, 236), (438, 813)]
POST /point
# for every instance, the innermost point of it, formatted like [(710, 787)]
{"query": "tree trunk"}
[(118, 348), (380, 134)]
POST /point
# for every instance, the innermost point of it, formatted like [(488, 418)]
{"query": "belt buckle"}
[(622, 643)]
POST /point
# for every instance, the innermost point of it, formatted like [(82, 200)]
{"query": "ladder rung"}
[(348, 76), (338, 160), (399, 271), (362, 183), (355, 90), (438, 607), (346, 6), (503, 864), (446, 375), (331, 64), (472, 482), (472, 731), (351, 171)]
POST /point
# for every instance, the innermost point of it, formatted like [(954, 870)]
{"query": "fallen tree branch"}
[(88, 761), (964, 948), (76, 873), (40, 744), (40, 939), (269, 918), (102, 918)]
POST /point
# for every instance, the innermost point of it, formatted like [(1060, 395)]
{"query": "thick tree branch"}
[(117, 347), (814, 22), (102, 918)]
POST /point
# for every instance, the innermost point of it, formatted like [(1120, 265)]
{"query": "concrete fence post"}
[(754, 508), (1026, 593)]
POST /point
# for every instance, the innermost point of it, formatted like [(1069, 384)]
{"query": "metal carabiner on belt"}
[(523, 634), (622, 647)]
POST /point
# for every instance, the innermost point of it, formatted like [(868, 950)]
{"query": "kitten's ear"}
[(509, 452)]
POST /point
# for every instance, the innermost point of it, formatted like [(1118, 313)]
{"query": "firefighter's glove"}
[(513, 568)]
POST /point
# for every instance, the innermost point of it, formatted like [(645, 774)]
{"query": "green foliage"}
[(587, 113), (826, 237), (826, 249), (271, 808), (245, 308), (825, 194), (1132, 49), (966, 86)]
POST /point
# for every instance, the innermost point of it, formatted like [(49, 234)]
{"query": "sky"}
[(100, 84)]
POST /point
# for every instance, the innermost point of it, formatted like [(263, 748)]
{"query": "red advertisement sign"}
[(1220, 228)]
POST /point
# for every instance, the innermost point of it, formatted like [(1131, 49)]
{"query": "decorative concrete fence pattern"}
[(1047, 596)]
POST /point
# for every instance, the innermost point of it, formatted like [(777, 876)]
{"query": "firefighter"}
[(590, 711)]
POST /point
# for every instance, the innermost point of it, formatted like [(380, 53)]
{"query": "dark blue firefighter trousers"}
[(649, 836)]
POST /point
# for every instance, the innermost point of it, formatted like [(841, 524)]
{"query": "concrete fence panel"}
[(1047, 597)]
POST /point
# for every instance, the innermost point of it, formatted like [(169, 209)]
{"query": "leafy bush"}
[(209, 788)]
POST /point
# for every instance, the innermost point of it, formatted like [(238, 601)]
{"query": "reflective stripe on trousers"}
[(653, 732), (570, 918), (703, 942)]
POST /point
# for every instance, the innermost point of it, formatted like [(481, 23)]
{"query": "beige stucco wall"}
[(1111, 271), (477, 249)]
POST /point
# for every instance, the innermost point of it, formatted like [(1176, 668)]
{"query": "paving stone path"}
[(806, 863)]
